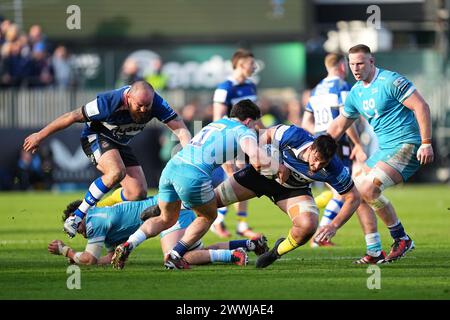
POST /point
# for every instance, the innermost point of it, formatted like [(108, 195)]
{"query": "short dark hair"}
[(326, 146), (359, 48), (240, 54), (70, 209), (245, 109)]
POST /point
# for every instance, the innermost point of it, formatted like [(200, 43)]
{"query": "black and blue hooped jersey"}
[(231, 92), (107, 116), (291, 141)]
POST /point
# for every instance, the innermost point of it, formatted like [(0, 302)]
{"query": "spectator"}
[(37, 39), (271, 116), (293, 112), (129, 74), (39, 71), (13, 65), (34, 170), (63, 68), (156, 78)]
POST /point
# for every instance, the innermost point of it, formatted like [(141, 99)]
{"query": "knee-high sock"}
[(96, 191)]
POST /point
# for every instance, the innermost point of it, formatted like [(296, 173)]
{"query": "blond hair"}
[(332, 60)]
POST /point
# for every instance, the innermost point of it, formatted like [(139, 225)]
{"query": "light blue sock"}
[(373, 243), (220, 255)]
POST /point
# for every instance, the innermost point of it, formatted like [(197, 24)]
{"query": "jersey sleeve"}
[(161, 109), (96, 230), (343, 93), (244, 132), (221, 94), (278, 136), (103, 106), (339, 177), (290, 135), (399, 87), (350, 110)]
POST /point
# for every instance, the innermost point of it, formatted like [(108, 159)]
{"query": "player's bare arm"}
[(417, 103), (352, 200), (219, 110), (357, 151), (105, 260), (339, 126), (263, 163), (58, 247), (32, 142), (308, 121), (179, 128)]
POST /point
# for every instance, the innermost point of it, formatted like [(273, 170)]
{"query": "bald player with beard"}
[(111, 121)]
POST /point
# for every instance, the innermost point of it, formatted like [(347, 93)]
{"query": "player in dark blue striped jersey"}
[(325, 104), (112, 120), (236, 88), (309, 159)]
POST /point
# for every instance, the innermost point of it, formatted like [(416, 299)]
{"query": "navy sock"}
[(397, 231), (181, 248), (234, 244)]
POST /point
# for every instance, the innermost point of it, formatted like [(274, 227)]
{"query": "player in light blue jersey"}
[(111, 121), (111, 225), (400, 118), (308, 159), (325, 104), (187, 178), (236, 88)]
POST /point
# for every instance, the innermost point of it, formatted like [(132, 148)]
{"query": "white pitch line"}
[(24, 241)]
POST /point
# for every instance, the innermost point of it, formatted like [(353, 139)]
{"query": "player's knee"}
[(305, 207), (303, 228), (306, 224), (225, 193), (169, 219), (115, 175), (377, 203)]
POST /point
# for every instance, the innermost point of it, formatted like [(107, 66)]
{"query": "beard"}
[(141, 118)]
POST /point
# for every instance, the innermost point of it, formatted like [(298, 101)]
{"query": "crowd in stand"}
[(29, 60)]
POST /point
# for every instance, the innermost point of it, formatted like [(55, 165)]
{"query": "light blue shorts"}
[(185, 182), (184, 220), (403, 158)]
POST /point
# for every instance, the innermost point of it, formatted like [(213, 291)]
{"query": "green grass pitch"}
[(28, 221)]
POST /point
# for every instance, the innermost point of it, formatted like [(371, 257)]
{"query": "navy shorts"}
[(248, 177), (96, 145)]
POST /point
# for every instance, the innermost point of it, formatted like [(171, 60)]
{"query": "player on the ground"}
[(187, 178), (236, 88), (110, 226), (324, 105), (309, 159), (112, 120), (400, 118)]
